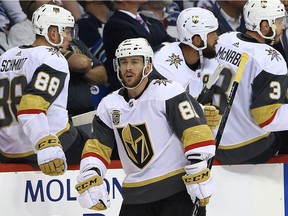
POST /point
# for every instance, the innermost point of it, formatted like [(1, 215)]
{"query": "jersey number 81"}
[(187, 110)]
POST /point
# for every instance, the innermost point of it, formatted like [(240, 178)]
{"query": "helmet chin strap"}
[(201, 59), (53, 44), (200, 51)]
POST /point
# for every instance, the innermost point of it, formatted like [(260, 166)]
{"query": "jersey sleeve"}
[(268, 94), (187, 119), (43, 89), (102, 142)]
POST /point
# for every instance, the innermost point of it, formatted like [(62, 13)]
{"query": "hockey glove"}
[(199, 182), (212, 116), (93, 194), (50, 156)]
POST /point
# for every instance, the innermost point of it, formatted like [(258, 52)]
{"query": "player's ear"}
[(53, 33), (265, 28), (197, 41)]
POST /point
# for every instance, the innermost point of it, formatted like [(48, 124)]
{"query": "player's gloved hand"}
[(212, 116), (50, 156), (93, 194), (198, 182)]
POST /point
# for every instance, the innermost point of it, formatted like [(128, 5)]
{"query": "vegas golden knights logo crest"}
[(137, 143), (56, 10), (264, 4), (116, 116), (195, 19)]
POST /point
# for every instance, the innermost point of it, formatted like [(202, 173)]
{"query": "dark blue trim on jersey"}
[(286, 189)]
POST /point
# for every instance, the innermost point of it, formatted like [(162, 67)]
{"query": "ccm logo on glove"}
[(47, 142), (197, 178), (93, 181)]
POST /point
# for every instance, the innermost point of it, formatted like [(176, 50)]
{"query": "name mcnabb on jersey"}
[(229, 55)]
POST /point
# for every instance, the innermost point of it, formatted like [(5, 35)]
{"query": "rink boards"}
[(243, 190)]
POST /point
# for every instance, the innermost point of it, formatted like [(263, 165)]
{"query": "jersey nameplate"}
[(12, 64)]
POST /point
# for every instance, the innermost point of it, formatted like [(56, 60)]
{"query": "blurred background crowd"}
[(101, 26)]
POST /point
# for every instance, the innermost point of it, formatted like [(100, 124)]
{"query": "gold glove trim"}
[(87, 184), (197, 177), (204, 202), (210, 110), (48, 141), (99, 206), (212, 116), (53, 168)]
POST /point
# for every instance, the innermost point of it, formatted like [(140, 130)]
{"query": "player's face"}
[(67, 37), (131, 70), (210, 51), (280, 26)]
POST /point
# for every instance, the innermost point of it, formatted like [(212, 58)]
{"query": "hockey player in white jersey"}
[(34, 87), (259, 110), (160, 131), (192, 60)]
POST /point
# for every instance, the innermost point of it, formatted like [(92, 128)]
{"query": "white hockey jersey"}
[(170, 63), (34, 87), (256, 108), (153, 133)]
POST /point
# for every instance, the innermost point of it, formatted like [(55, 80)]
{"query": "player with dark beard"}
[(190, 61)]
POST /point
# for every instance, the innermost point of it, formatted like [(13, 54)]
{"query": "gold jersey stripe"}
[(264, 113), (196, 134), (18, 155), (33, 102), (153, 180), (67, 128), (244, 143), (94, 146)]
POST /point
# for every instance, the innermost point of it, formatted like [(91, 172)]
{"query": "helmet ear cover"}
[(195, 21)]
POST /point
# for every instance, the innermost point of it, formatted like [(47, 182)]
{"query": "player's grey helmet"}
[(255, 11), (51, 15), (195, 21)]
